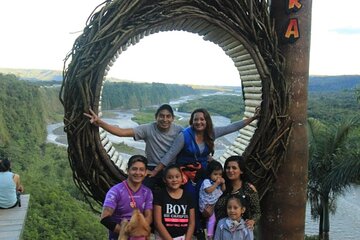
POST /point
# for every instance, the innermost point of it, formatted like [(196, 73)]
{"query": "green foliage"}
[(333, 83), (122, 147), (57, 209), (126, 95), (329, 152), (58, 216), (148, 115), (357, 92), (226, 105), (332, 107), (53, 109), (21, 116), (145, 116)]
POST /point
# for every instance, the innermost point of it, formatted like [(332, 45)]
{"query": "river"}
[(345, 223)]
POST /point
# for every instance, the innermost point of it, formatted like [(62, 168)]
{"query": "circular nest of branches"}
[(243, 28)]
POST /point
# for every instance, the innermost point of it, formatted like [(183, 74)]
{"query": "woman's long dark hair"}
[(242, 165), (209, 130), (4, 165)]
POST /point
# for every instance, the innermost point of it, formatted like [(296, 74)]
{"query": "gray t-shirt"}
[(157, 142)]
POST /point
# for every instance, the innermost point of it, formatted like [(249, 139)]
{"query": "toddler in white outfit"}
[(210, 191)]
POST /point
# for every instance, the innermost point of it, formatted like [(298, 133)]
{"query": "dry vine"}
[(113, 24)]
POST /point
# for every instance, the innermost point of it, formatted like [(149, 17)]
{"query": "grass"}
[(122, 147)]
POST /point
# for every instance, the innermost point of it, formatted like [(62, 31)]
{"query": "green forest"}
[(57, 208), (126, 95)]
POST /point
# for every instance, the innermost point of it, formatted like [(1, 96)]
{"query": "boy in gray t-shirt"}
[(158, 135), (157, 142)]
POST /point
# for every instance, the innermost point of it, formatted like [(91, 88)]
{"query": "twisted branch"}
[(114, 26)]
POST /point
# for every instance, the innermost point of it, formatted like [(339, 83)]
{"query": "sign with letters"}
[(292, 31)]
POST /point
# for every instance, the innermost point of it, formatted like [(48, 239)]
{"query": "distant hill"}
[(34, 74), (333, 83), (316, 83)]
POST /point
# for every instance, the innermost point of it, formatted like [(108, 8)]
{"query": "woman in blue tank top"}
[(9, 185)]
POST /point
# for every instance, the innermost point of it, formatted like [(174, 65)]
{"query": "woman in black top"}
[(237, 184)]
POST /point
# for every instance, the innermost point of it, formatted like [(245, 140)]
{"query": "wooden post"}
[(283, 215)]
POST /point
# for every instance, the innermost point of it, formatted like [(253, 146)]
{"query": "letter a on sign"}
[(292, 31)]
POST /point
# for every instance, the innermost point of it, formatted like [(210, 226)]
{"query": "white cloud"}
[(335, 37), (176, 57), (37, 33)]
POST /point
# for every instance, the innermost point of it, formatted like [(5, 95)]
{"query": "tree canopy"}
[(332, 167)]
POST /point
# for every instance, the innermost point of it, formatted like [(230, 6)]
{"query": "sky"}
[(37, 34)]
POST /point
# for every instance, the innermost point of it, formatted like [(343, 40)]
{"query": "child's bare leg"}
[(210, 226)]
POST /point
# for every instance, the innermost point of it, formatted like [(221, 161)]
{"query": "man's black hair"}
[(164, 107), (137, 158)]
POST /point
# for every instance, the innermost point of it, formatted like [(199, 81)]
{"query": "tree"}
[(330, 156), (346, 173)]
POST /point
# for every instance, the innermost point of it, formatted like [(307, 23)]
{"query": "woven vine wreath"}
[(242, 28)]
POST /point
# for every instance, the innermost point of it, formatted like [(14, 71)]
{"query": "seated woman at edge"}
[(123, 197), (193, 146), (238, 185), (10, 187)]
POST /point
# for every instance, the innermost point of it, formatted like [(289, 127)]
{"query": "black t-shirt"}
[(175, 212)]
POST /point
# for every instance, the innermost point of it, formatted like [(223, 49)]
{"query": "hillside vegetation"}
[(18, 119), (56, 208), (333, 106), (215, 105), (333, 83), (139, 95)]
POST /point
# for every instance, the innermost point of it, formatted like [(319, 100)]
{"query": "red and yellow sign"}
[(292, 31)]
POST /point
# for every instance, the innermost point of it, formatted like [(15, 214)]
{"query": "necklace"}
[(132, 202), (238, 189), (239, 192)]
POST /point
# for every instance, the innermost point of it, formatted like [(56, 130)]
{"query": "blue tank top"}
[(191, 152), (7, 190)]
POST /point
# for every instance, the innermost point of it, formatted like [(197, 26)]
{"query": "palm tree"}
[(346, 173), (329, 158)]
